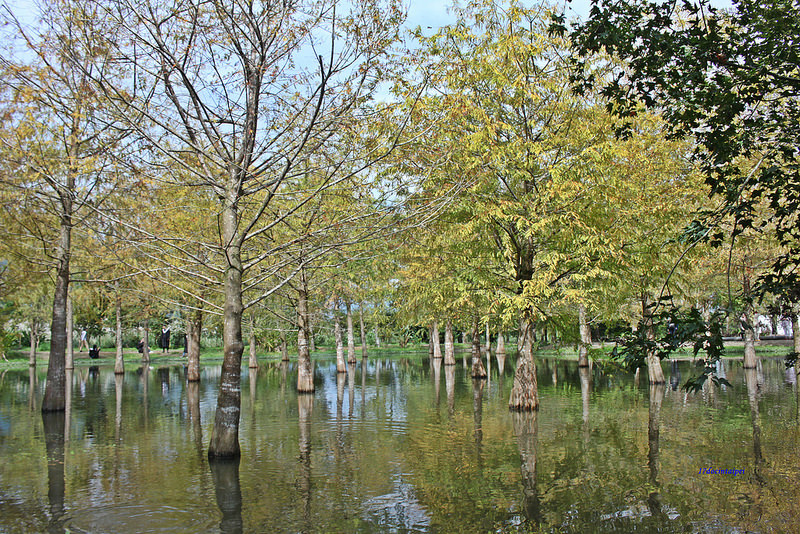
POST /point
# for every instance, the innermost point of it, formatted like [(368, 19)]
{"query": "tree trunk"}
[(501, 344), (56, 366), (796, 333), (305, 371), (253, 363), (225, 433), (284, 347), (34, 324), (655, 374), (341, 367), (363, 332), (119, 360), (750, 359), (525, 391), (351, 342), (488, 340), (586, 337), (194, 329), (70, 355), (478, 370), (146, 351), (449, 349), (377, 337), (437, 349)]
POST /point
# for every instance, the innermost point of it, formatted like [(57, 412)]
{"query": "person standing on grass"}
[(164, 341), (84, 343)]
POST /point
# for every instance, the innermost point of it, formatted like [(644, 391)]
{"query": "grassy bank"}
[(19, 359)]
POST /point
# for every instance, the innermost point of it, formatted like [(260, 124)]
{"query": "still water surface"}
[(403, 445)]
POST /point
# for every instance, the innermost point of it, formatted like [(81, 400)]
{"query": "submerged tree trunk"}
[(194, 327), (305, 371), (437, 349), (54, 391), (119, 360), (351, 342), (449, 349), (586, 337), (225, 433), (363, 331), (341, 367), (253, 363), (525, 391), (478, 370)]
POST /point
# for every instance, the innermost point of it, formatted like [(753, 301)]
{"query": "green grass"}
[(19, 358)]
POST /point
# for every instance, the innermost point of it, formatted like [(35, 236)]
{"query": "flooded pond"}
[(403, 445)]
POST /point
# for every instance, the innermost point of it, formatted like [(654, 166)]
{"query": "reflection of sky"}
[(367, 400)]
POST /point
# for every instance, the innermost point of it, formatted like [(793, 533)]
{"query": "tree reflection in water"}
[(118, 382), (351, 388), (656, 397), (437, 378), (54, 423), (193, 402), (450, 387), (363, 386), (753, 393), (32, 388), (525, 429), (305, 407), (501, 366), (284, 374), (225, 472), (477, 415), (340, 379), (555, 372), (586, 393), (69, 373)]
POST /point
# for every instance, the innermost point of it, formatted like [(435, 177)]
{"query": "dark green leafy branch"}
[(665, 330)]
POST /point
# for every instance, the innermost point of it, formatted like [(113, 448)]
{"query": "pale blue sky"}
[(433, 13)]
